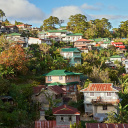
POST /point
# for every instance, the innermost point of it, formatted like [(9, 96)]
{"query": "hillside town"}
[(73, 76)]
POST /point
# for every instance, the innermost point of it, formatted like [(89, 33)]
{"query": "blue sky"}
[(35, 11)]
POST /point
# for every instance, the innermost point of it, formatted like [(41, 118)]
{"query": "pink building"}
[(67, 80)]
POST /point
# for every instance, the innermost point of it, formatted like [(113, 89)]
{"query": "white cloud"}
[(110, 17), (66, 11), (21, 10), (89, 7)]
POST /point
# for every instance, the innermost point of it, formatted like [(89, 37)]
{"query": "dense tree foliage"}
[(50, 23), (2, 14), (18, 23), (77, 23)]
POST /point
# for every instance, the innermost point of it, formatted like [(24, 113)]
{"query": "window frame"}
[(70, 118), (92, 93), (60, 77), (62, 118), (109, 94), (49, 78), (105, 107)]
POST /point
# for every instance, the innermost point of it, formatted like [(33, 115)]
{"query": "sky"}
[(35, 11)]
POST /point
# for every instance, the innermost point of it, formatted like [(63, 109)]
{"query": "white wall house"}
[(60, 35), (100, 98), (33, 40), (126, 65), (116, 57)]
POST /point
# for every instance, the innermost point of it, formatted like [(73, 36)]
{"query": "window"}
[(49, 78), (60, 77), (91, 93), (67, 78), (104, 107), (70, 118), (108, 93), (62, 118), (70, 77)]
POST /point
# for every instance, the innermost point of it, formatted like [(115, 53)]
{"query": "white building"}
[(60, 35), (126, 65), (116, 58), (99, 99)]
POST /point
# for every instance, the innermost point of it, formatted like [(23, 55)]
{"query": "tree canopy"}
[(50, 23), (77, 23)]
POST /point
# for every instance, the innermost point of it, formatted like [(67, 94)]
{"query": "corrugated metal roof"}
[(103, 125), (61, 73), (69, 49), (99, 87), (75, 34), (65, 109)]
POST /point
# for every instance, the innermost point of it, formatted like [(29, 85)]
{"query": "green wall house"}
[(74, 54)]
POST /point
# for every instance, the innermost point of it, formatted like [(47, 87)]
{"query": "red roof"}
[(103, 125), (117, 43), (53, 36), (56, 89), (84, 40), (99, 87), (121, 46), (24, 24), (65, 109), (38, 88)]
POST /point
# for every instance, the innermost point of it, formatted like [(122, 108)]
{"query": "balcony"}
[(100, 101)]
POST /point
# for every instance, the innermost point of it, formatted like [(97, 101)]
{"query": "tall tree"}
[(50, 23), (77, 23), (124, 28), (17, 23), (15, 58), (98, 28), (2, 14)]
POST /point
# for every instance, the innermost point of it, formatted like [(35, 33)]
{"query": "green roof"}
[(116, 56), (63, 26), (51, 31), (14, 34), (69, 49), (75, 34), (107, 42), (100, 39), (61, 73), (57, 83), (41, 32)]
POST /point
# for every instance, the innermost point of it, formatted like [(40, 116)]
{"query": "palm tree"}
[(123, 83), (2, 14), (122, 116)]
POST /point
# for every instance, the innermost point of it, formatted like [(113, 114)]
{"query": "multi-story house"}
[(83, 44), (60, 35), (100, 98), (16, 37), (74, 54), (67, 80), (120, 47), (24, 26)]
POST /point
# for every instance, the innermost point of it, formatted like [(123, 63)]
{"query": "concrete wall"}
[(99, 109), (66, 79), (67, 54), (88, 99), (66, 120), (113, 59), (34, 41)]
